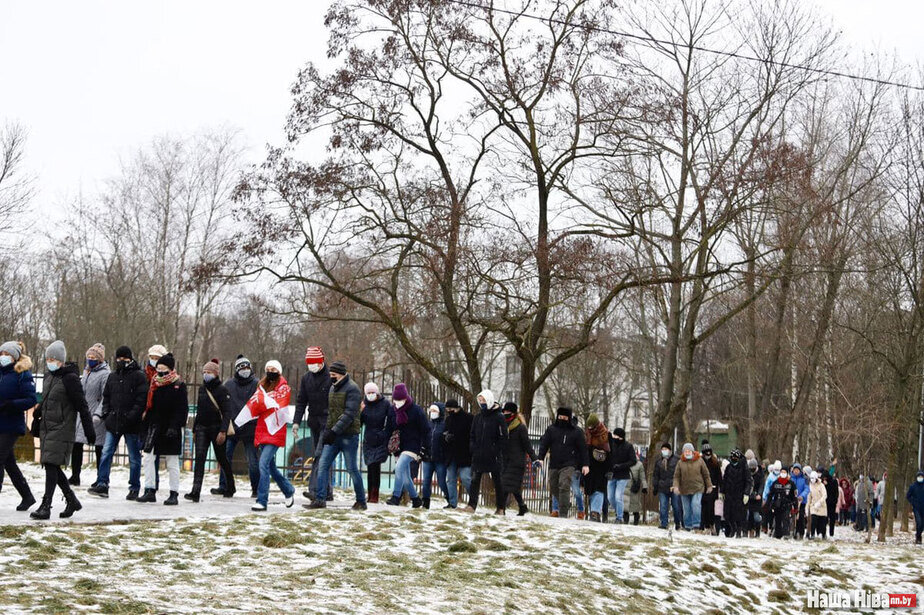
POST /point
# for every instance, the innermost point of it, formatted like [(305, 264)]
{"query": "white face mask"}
[(314, 368), (152, 362), (434, 414), (371, 396), (6, 361), (921, 479), (244, 373), (399, 403)]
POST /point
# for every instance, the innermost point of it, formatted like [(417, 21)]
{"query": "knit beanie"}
[(371, 388), (563, 411), (11, 348), (510, 407), (124, 352), (97, 351), (338, 367), (399, 393), (752, 464), (213, 367), (274, 364), (240, 361), (168, 361), (453, 403), (619, 432), (592, 421), (688, 446), (314, 355), (56, 351)]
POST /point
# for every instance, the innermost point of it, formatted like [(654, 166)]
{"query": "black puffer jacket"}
[(782, 495), (208, 416), (62, 403), (241, 390), (167, 418), (124, 399), (623, 457), (662, 477), (457, 438), (313, 395), (515, 454), (715, 473), (565, 445), (488, 440), (737, 480)]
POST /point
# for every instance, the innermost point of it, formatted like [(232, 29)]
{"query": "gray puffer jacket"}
[(62, 402), (93, 383)]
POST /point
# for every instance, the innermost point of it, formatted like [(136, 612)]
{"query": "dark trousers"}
[(473, 492), (9, 465), (560, 488), (735, 513), (708, 508), (204, 437), (54, 475), (918, 522), (781, 521), (252, 456), (819, 526), (374, 476), (77, 458), (800, 521), (317, 425), (832, 519)]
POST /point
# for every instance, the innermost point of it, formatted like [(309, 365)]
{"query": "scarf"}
[(156, 383), (513, 423), (401, 413), (599, 437)]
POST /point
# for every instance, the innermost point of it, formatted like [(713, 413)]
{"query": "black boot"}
[(426, 503), (44, 511), (149, 496), (172, 500), (74, 480), (27, 502), (393, 501), (416, 502), (217, 491), (523, 510), (132, 495), (73, 505), (192, 496)]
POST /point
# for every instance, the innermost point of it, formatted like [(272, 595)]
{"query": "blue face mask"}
[(91, 363), (208, 377), (52, 367), (484, 407), (665, 453), (6, 361)]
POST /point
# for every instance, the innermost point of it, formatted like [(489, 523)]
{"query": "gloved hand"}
[(609, 476), (329, 437), (645, 490), (746, 498), (91, 439)]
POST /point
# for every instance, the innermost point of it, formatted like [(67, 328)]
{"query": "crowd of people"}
[(146, 407)]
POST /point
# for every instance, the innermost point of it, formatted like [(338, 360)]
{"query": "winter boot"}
[(99, 490), (580, 516), (634, 518), (917, 539), (469, 509), (172, 500), (44, 511), (229, 493), (595, 517), (315, 505), (132, 495), (416, 502), (26, 503), (149, 496), (74, 480), (500, 511), (373, 496), (523, 510), (217, 491), (426, 503), (554, 513), (192, 496), (359, 506), (253, 494), (73, 505), (393, 501)]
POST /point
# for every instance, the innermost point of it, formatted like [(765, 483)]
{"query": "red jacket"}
[(258, 408)]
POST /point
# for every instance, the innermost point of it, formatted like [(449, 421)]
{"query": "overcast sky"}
[(93, 80)]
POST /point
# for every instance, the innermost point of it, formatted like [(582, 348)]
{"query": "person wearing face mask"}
[(832, 493), (737, 485), (801, 483), (863, 495), (782, 503), (488, 443), (341, 436), (623, 458), (915, 497), (516, 453), (845, 501), (63, 402), (773, 473), (378, 424), (817, 507), (273, 393), (457, 443), (162, 429), (17, 395), (691, 480), (241, 387), (434, 458), (155, 352), (755, 502), (662, 478), (601, 449), (124, 399), (214, 409), (413, 435), (567, 449), (710, 522), (93, 382), (313, 396)]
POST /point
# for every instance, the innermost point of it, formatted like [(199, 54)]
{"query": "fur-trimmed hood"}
[(24, 364)]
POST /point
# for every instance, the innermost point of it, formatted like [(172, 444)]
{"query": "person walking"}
[(93, 382), (737, 485), (162, 429), (241, 387), (313, 398), (378, 425), (413, 435), (488, 443), (601, 450), (915, 497), (272, 397), (17, 396), (435, 460), (457, 440), (635, 492), (662, 481), (691, 481), (566, 447), (782, 503), (623, 458), (517, 452), (214, 410)]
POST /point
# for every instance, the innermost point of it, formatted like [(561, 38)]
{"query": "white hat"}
[(275, 364)]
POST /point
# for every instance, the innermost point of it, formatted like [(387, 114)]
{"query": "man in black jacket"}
[(457, 445), (624, 457), (488, 442), (241, 386), (567, 450), (662, 478), (124, 399), (313, 395), (737, 485)]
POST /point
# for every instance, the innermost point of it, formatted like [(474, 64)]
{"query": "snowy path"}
[(217, 557)]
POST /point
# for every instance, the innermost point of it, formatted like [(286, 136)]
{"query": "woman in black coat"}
[(379, 424), (601, 448), (488, 441), (515, 454), (213, 414), (162, 429), (62, 402)]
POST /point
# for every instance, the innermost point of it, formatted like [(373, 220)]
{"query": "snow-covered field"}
[(216, 556)]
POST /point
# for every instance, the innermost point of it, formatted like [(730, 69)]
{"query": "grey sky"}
[(93, 80)]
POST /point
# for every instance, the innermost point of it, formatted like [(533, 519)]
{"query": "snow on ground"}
[(218, 557)]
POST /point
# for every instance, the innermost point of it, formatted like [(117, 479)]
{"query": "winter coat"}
[(623, 458), (768, 483), (415, 434), (62, 402), (879, 493), (17, 395), (436, 452), (343, 403), (600, 471), (457, 437), (782, 495), (662, 477), (488, 440), (281, 394), (313, 395), (757, 489), (863, 492), (208, 417), (817, 502), (565, 445), (517, 450), (379, 425), (632, 502), (737, 481), (94, 383), (915, 496), (692, 476), (241, 390), (801, 482), (714, 466), (831, 494), (124, 399), (166, 419)]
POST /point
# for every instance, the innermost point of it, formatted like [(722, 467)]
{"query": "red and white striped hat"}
[(314, 355)]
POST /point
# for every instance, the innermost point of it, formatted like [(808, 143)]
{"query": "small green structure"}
[(722, 436)]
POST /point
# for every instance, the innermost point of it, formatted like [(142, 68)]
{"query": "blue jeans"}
[(665, 502), (575, 491), (403, 479), (253, 461), (269, 470), (429, 467), (453, 475), (692, 510), (348, 445), (596, 502), (615, 490), (133, 444)]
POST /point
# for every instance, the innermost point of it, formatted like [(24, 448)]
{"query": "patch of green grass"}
[(491, 545), (462, 546), (778, 595), (87, 585), (12, 531), (771, 566)]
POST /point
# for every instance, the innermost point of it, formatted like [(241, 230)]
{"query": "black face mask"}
[(563, 422), (272, 376), (707, 453)]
